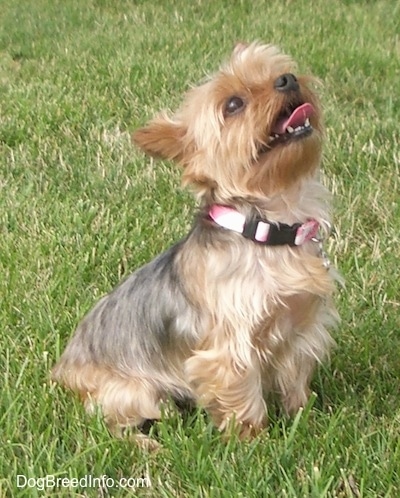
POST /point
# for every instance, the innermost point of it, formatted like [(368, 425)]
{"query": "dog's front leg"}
[(230, 392)]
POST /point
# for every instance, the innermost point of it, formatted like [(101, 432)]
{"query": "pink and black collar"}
[(263, 231)]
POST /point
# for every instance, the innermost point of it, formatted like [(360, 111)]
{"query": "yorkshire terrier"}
[(239, 309)]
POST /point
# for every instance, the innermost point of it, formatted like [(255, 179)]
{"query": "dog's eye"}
[(234, 105)]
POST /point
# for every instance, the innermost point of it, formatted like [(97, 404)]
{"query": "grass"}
[(79, 208)]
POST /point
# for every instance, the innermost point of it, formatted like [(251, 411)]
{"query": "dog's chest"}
[(256, 282)]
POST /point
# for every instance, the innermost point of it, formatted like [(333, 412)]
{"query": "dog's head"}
[(252, 129)]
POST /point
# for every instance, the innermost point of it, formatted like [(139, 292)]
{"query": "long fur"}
[(218, 318)]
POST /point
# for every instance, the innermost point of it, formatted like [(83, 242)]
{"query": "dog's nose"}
[(286, 83)]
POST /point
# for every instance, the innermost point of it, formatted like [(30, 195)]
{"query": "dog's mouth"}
[(292, 124)]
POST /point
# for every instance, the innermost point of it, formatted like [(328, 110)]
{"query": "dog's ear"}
[(239, 47), (162, 137)]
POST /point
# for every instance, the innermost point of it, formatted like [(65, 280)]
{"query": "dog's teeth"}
[(289, 129), (307, 122)]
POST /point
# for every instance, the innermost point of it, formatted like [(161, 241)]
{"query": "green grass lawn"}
[(79, 208)]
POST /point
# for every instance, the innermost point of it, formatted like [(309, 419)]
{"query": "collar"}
[(263, 231)]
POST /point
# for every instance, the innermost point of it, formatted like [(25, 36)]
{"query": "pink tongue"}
[(297, 118)]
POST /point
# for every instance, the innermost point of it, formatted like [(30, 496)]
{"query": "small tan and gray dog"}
[(240, 308)]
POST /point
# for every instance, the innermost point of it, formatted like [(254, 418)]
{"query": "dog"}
[(237, 312)]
